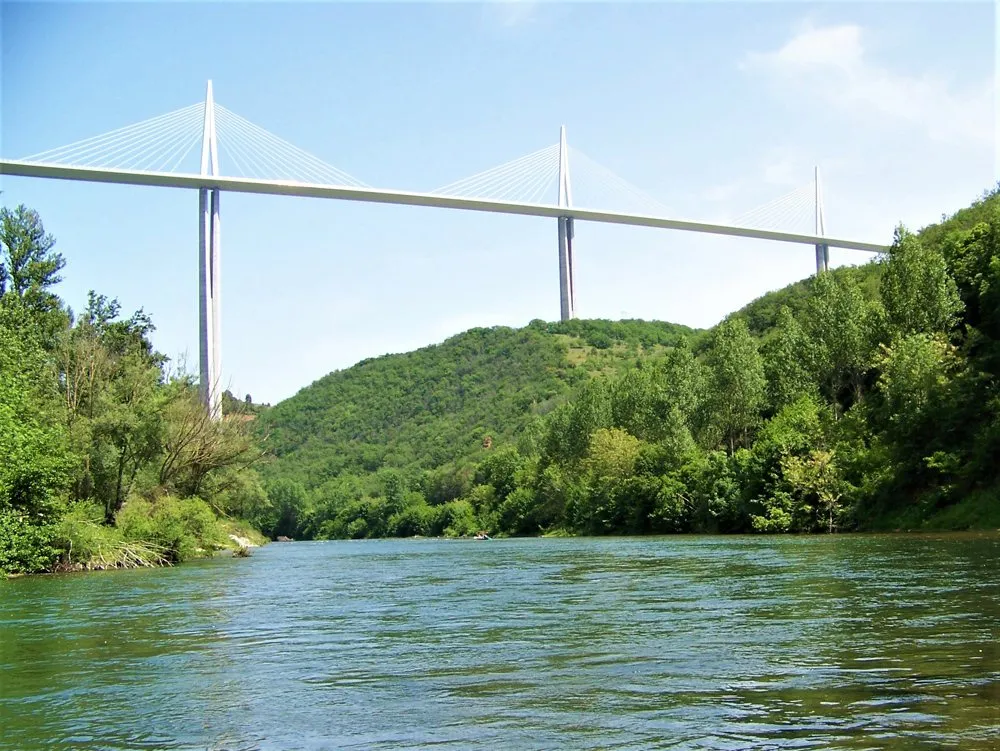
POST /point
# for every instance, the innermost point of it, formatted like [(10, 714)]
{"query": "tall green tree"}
[(683, 380), (34, 461), (634, 402), (919, 295), (29, 266), (786, 354), (737, 386), (608, 467), (127, 431), (845, 330), (590, 411), (974, 262)]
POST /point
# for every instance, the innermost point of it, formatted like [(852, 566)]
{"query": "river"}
[(843, 642)]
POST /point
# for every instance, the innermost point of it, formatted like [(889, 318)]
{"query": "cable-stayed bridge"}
[(164, 151)]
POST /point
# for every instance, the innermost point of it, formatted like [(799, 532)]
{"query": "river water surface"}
[(844, 642)]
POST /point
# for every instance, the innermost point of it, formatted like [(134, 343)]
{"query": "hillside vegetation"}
[(433, 413), (865, 398), (426, 408)]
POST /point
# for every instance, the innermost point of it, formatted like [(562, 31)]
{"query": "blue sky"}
[(710, 108)]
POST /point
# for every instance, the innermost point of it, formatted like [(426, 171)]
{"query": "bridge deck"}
[(406, 198)]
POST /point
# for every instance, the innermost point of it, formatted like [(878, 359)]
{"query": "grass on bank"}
[(157, 532), (978, 510)]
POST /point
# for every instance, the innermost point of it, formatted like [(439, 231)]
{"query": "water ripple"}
[(851, 642)]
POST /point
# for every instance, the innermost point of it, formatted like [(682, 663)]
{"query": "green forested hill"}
[(436, 405), (864, 398)]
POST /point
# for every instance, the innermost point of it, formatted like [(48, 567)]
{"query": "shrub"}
[(25, 547), (184, 528)]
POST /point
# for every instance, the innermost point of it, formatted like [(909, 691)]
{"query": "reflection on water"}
[(846, 642)]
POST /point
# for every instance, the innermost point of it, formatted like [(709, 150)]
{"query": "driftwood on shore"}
[(130, 554)]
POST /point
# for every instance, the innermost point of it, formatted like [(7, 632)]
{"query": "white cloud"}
[(832, 47), (510, 13), (833, 65), (775, 173)]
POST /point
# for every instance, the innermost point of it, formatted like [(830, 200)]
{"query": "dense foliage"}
[(863, 398), (106, 459)]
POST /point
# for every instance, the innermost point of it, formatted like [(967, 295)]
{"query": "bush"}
[(87, 543), (412, 521), (25, 547), (455, 519), (185, 528), (84, 537)]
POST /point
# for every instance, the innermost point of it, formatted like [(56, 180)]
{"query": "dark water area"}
[(843, 642)]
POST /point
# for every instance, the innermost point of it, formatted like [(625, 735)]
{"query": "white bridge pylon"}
[(209, 276), (157, 152)]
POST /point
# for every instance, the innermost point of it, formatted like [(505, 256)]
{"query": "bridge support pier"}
[(209, 272), (209, 235), (567, 300), (822, 258)]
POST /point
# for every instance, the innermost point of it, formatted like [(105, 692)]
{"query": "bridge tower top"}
[(820, 221), (822, 249), (565, 193), (209, 141)]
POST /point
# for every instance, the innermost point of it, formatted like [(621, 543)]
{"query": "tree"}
[(737, 381), (609, 464), (816, 477), (34, 461), (288, 500), (590, 411), (28, 265), (393, 490), (785, 356), (127, 429), (633, 403), (499, 470), (844, 330), (914, 370), (683, 381), (919, 295), (974, 262), (194, 446), (794, 431)]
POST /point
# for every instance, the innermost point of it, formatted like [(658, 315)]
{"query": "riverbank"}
[(979, 511), (166, 536)]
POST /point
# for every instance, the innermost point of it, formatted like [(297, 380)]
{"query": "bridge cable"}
[(253, 160), (253, 157), (795, 212), (797, 205), (140, 149), (516, 186), (501, 178), (275, 148), (585, 169), (116, 139), (163, 151)]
